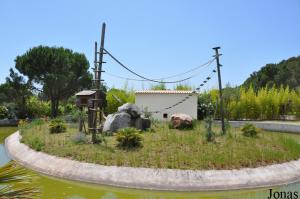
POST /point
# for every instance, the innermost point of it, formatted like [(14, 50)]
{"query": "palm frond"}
[(11, 192), (12, 173), (17, 182)]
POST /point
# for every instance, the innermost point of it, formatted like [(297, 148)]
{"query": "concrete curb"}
[(9, 122), (291, 127), (155, 179)]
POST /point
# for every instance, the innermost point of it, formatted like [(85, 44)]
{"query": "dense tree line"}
[(286, 72)]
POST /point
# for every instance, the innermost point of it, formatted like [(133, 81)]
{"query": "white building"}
[(167, 102)]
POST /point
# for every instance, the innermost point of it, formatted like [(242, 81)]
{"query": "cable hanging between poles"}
[(143, 80), (143, 77), (187, 97), (209, 77)]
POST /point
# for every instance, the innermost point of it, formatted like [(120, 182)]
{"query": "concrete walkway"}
[(147, 178)]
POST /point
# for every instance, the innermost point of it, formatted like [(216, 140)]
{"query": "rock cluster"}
[(128, 115), (181, 120)]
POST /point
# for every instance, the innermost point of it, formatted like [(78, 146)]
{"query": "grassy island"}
[(169, 148)]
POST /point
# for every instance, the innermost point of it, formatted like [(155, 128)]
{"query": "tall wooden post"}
[(93, 110), (220, 88), (80, 119), (96, 109), (101, 53)]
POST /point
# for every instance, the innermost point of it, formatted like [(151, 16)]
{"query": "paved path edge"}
[(153, 179)]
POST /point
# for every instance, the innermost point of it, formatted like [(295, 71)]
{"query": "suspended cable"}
[(153, 80), (143, 80), (187, 97), (210, 76), (191, 70), (141, 76), (125, 78)]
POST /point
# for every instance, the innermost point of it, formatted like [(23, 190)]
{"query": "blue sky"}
[(157, 38)]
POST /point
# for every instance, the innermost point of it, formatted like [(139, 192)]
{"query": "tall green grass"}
[(171, 148)]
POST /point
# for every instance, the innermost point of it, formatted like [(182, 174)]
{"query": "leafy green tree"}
[(16, 90), (286, 73), (3, 92), (160, 86), (61, 72), (182, 87), (117, 97)]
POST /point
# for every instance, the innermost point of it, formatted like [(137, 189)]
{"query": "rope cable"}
[(187, 97), (143, 80), (141, 76), (155, 80), (180, 101), (191, 70)]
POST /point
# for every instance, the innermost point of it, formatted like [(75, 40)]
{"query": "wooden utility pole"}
[(220, 88), (101, 53), (96, 104)]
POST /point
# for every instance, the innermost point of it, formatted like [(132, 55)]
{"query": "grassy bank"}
[(6, 131), (170, 148)]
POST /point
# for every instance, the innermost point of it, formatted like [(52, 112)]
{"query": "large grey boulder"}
[(128, 115), (132, 109), (116, 121), (181, 120), (141, 123)]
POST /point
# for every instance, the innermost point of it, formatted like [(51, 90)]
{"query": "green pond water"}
[(54, 188)]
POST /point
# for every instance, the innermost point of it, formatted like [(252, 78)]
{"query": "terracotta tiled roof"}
[(163, 92), (85, 93)]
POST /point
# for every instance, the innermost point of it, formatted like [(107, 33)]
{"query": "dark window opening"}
[(165, 115)]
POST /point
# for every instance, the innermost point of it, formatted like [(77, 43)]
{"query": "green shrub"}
[(249, 130), (23, 125), (3, 112), (36, 144), (57, 126), (129, 138), (205, 106), (36, 107)]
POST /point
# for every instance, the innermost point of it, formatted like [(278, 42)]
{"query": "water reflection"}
[(3, 156)]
